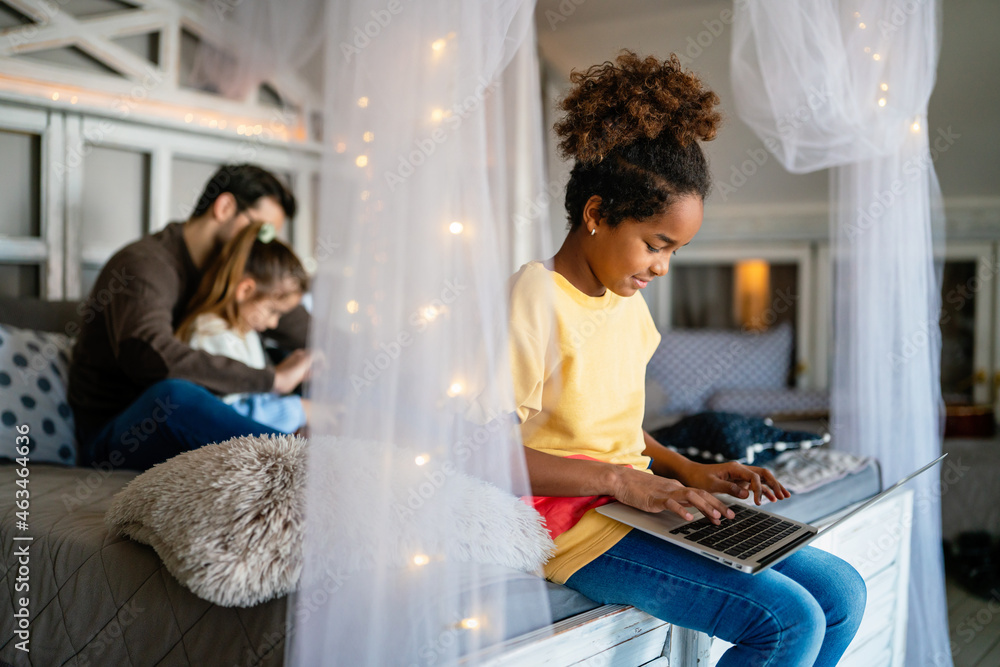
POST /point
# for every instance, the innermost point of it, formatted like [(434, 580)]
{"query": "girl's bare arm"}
[(552, 475)]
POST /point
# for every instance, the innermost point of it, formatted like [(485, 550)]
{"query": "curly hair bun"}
[(613, 105)]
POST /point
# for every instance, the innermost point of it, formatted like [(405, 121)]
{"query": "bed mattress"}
[(99, 599)]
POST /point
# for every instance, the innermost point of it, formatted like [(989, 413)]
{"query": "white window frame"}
[(798, 253), (984, 354)]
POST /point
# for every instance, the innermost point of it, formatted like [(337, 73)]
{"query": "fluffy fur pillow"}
[(227, 519)]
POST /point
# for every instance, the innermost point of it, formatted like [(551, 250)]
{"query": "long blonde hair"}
[(269, 263)]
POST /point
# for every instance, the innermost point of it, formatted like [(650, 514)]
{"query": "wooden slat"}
[(29, 250), (131, 22), (53, 205), (658, 662), (72, 181), (27, 39), (640, 650), (114, 56), (572, 640), (689, 647)]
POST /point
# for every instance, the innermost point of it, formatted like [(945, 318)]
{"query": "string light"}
[(361, 161), (223, 124), (363, 102), (422, 459), (55, 96), (876, 56), (437, 115), (455, 389), (915, 128), (421, 559), (862, 26), (868, 49), (352, 306), (430, 313), (456, 227), (884, 86), (188, 118), (438, 45), (365, 194), (469, 623), (72, 100), (355, 327), (857, 15), (341, 147), (368, 137), (882, 101)]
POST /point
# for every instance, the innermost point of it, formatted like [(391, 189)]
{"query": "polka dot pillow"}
[(34, 369)]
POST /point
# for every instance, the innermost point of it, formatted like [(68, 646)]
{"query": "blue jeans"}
[(803, 611), (170, 417)]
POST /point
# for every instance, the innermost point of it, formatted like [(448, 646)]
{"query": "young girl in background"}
[(255, 280), (581, 335)]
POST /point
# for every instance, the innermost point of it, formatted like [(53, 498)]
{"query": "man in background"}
[(139, 395)]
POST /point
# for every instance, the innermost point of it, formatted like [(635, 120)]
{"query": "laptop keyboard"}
[(747, 534)]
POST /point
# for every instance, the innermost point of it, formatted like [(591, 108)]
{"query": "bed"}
[(98, 599)]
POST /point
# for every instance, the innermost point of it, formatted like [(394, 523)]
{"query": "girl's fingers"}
[(779, 491), (710, 506), (735, 490), (755, 485), (678, 509)]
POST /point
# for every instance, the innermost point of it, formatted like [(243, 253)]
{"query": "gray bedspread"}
[(98, 599)]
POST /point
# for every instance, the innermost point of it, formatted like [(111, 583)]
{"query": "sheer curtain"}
[(419, 198), (845, 85), (431, 122)]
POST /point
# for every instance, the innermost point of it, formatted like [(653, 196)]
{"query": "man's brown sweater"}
[(126, 342)]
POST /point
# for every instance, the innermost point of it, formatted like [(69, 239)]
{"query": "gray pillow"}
[(34, 368), (227, 518), (691, 365), (802, 403)]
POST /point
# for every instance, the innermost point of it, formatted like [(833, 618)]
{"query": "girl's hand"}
[(735, 479), (291, 372), (653, 493)]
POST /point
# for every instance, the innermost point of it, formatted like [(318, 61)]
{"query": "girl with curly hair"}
[(635, 196)]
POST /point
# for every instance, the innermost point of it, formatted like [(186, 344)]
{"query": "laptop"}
[(751, 542)]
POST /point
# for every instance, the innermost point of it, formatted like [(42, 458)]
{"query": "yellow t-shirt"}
[(579, 368)]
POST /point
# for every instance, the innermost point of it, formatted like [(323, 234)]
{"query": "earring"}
[(593, 231)]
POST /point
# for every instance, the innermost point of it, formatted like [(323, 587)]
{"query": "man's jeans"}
[(170, 417)]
